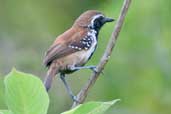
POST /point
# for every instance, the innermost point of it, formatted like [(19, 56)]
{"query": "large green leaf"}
[(25, 94), (5, 112), (92, 108)]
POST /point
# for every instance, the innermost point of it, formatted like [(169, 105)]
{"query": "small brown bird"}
[(72, 49)]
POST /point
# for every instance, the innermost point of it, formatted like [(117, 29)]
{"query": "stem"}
[(81, 96)]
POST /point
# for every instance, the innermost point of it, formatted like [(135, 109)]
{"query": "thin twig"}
[(84, 91)]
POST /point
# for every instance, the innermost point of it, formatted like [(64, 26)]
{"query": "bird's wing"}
[(63, 46)]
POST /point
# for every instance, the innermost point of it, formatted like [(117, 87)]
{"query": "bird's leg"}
[(93, 68), (73, 97)]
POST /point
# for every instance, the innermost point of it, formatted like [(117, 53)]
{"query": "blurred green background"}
[(139, 71)]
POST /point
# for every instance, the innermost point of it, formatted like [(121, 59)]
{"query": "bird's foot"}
[(74, 98), (92, 67)]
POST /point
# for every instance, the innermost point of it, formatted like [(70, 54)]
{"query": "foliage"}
[(139, 68), (25, 94), (92, 108)]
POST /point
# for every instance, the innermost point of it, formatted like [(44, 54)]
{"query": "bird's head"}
[(92, 19)]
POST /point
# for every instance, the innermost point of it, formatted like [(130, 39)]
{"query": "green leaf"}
[(92, 108), (5, 112), (25, 94)]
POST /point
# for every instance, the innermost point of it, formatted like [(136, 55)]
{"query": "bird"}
[(73, 49)]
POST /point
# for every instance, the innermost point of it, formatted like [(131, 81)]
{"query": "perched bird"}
[(72, 49)]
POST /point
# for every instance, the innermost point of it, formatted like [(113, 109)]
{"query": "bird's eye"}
[(100, 18), (97, 23)]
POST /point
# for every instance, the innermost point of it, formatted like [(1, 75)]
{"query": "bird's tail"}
[(52, 71)]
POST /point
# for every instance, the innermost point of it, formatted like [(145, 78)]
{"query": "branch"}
[(84, 91)]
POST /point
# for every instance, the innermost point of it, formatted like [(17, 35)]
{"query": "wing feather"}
[(63, 46)]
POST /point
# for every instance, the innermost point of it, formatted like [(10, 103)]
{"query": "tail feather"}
[(49, 77)]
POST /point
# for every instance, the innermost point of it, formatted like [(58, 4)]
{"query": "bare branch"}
[(84, 91)]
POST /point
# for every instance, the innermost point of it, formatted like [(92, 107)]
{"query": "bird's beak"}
[(107, 19)]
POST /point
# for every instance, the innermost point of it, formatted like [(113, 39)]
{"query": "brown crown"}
[(85, 18)]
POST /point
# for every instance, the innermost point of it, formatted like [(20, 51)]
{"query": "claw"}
[(94, 69), (74, 98)]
